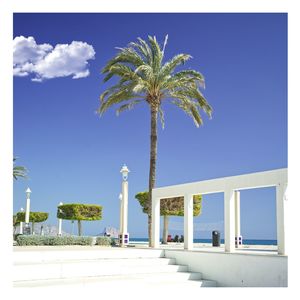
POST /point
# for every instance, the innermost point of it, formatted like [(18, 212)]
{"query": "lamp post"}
[(121, 213), (124, 235), (27, 212), (21, 223), (59, 223)]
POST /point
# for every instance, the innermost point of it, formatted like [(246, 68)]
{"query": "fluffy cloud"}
[(45, 61)]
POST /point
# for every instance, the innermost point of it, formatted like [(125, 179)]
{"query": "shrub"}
[(30, 240), (37, 240), (104, 241)]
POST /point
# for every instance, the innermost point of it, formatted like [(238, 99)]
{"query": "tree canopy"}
[(34, 216), (81, 212), (170, 206)]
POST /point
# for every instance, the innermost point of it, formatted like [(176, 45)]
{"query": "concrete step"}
[(31, 254), (105, 261), (167, 281), (99, 267)]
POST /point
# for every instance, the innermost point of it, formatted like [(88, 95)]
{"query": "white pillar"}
[(121, 214), (155, 221), (125, 205), (27, 212), (229, 220), (280, 213), (188, 221), (237, 216), (60, 223), (124, 235)]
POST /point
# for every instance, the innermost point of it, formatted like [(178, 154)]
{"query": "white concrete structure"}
[(124, 235), (227, 185), (172, 269), (59, 223), (235, 269)]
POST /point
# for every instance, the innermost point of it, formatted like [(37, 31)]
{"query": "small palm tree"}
[(19, 171), (145, 78)]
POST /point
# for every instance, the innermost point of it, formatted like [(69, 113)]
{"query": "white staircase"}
[(102, 268)]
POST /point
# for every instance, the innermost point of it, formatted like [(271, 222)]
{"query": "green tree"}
[(79, 212), (19, 171), (170, 207), (144, 77), (34, 217)]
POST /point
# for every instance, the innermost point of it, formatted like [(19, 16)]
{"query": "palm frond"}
[(19, 171), (128, 106), (156, 53), (170, 65)]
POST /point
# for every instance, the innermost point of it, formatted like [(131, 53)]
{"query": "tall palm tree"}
[(19, 171), (145, 77)]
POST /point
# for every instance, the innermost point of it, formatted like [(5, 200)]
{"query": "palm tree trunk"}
[(79, 228), (152, 172), (165, 230)]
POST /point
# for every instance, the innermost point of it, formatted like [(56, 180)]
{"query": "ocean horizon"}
[(245, 241)]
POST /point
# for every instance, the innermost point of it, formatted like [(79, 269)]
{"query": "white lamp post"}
[(59, 223), (27, 212), (124, 235), (121, 213), (21, 223)]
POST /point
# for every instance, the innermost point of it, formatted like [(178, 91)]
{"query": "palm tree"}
[(145, 77), (19, 171)]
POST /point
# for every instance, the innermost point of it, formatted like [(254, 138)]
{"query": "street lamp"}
[(124, 172), (124, 235), (21, 223), (27, 212)]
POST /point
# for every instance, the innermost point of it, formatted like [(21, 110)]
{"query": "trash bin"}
[(216, 238)]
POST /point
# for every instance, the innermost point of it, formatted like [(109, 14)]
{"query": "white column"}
[(237, 216), (280, 213), (125, 205), (27, 212), (121, 214), (21, 228), (188, 221), (229, 220), (60, 223), (155, 221)]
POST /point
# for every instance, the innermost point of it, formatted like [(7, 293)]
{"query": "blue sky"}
[(73, 155)]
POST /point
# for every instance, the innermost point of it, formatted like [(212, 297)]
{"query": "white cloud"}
[(45, 61)]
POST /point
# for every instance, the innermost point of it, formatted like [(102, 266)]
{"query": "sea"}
[(209, 241)]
